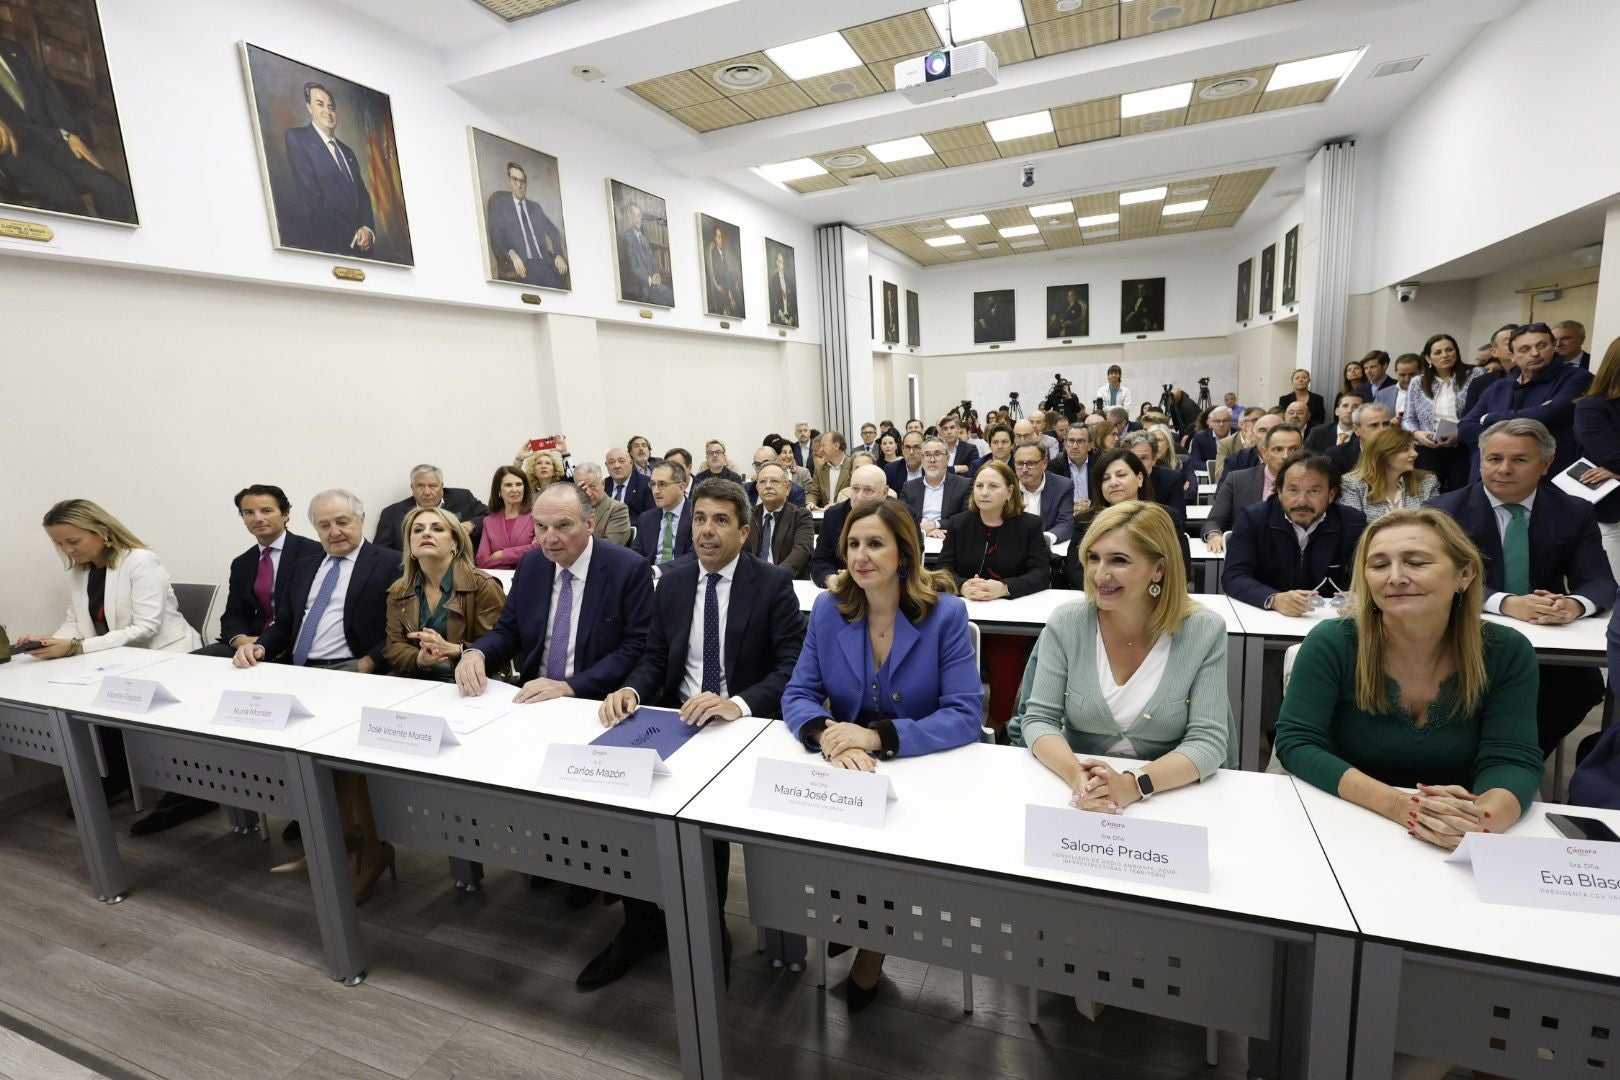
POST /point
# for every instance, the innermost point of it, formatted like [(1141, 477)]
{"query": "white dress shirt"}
[(1112, 397), (933, 505), (692, 681), (274, 549), (1493, 600), (1032, 505), (581, 567), (330, 642)]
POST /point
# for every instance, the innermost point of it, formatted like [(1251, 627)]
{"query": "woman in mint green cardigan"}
[(1417, 691), (1134, 670)]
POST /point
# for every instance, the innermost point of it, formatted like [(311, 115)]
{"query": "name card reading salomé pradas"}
[(822, 791), (1544, 871), (262, 712), (406, 732), (1125, 849), (131, 695), (612, 770)]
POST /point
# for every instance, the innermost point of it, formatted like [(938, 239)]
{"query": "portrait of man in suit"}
[(1068, 311), (641, 250), (329, 159), (913, 321), (522, 212), (61, 146), (1245, 290), (1268, 279), (1141, 306), (993, 316), (782, 284), (722, 267), (1290, 265), (891, 313)]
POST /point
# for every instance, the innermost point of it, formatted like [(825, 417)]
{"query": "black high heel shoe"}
[(835, 949), (859, 997)]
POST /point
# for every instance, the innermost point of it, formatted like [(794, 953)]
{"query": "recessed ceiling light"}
[(1098, 234), (968, 222), (1021, 244), (743, 76), (1288, 193), (1131, 198), (863, 178), (1019, 230), (1152, 123), (1159, 99), (1193, 207), (973, 19), (845, 161), (945, 241), (1020, 127), (1236, 86), (1059, 223), (989, 245), (1184, 223), (1316, 69), (797, 169), (842, 86), (1189, 189), (1051, 209), (1069, 5), (913, 146), (1398, 67), (1165, 13), (927, 226), (814, 56), (1097, 219)]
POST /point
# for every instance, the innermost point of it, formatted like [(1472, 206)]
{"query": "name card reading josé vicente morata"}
[(1124, 848), (406, 732), (822, 791)]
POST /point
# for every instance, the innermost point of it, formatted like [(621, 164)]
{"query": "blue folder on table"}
[(655, 729)]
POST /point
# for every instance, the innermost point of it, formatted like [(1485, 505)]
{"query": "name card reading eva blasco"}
[(406, 732), (131, 695), (1126, 849), (611, 770), (262, 712), (822, 791), (1544, 871)]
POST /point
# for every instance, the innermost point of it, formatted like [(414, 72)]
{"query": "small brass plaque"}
[(531, 298), (12, 229), (995, 346), (348, 273), (724, 325), (781, 333), (645, 314)]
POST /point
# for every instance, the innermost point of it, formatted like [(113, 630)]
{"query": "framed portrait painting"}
[(891, 313), (781, 284), (1141, 305), (1290, 290), (1068, 311), (640, 246), (1268, 279), (993, 317), (1245, 290), (721, 244), (329, 161), (913, 321), (61, 142), (520, 213)]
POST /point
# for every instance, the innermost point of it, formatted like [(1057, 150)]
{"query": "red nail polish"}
[(1487, 813), (1487, 830), (1416, 799), (1409, 832)]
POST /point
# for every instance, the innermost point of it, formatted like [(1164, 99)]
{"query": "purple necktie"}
[(263, 582), (557, 659)]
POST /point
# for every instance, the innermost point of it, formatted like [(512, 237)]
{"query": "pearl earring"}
[(1155, 589)]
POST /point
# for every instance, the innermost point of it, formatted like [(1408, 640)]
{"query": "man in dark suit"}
[(909, 466), (664, 533), (960, 454), (744, 618), (1249, 456), (625, 484), (330, 182), (1321, 439), (427, 489), (1544, 559), (641, 275), (1569, 342), (1079, 458), (714, 465), (1316, 408), (1205, 445), (866, 485), (784, 293), (766, 456), (940, 495), (45, 148), (804, 446), (527, 246), (1371, 417), (578, 614), (780, 533), (335, 609), (1244, 487), (1376, 368), (1544, 390), (1299, 538), (1046, 495), (1502, 353)]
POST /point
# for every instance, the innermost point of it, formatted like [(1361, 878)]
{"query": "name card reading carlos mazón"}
[(262, 712), (614, 770), (406, 732), (1544, 871), (1125, 849), (131, 695), (822, 791)]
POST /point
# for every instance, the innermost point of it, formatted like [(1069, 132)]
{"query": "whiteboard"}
[(1144, 378)]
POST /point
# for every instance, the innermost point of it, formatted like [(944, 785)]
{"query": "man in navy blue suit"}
[(1544, 390), (909, 466), (1046, 494), (1265, 563), (578, 614), (625, 483), (724, 641), (1544, 559), (1206, 444), (866, 484), (960, 453), (528, 247), (337, 204), (664, 533)]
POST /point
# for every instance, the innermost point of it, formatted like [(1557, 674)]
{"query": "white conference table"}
[(1448, 977), (1266, 953)]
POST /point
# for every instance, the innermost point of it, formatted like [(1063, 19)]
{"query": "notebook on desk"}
[(654, 729)]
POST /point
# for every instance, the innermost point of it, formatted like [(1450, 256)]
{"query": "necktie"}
[(263, 585), (557, 659), (1516, 551), (529, 241), (323, 596), (666, 548), (618, 491), (1343, 438), (711, 637), (765, 537), (8, 83)]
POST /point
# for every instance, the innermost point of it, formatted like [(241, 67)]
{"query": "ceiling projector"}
[(946, 73)]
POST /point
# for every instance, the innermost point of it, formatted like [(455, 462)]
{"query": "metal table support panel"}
[(704, 918), (27, 731), (255, 778), (1317, 1004), (1249, 719), (89, 800), (328, 860), (696, 963)]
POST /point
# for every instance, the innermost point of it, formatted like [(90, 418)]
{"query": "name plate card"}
[(822, 791), (405, 732), (1543, 871), (1137, 850), (610, 770), (131, 695), (262, 712)]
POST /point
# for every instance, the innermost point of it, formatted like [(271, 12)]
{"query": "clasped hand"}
[(1443, 814), (1543, 607), (850, 746), (977, 588), (433, 649), (1102, 789)]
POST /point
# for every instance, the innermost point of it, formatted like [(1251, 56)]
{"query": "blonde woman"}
[(441, 602), (544, 468), (1386, 477)]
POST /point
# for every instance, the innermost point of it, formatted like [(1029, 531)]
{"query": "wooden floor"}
[(212, 970)]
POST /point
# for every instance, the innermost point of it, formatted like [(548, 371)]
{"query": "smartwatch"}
[(1144, 784)]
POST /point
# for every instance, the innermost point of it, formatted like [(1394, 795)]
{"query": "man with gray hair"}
[(1205, 445), (1569, 342), (1364, 420), (612, 516), (427, 489), (334, 613)]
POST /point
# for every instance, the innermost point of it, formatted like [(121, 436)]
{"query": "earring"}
[(902, 573), (1155, 589)]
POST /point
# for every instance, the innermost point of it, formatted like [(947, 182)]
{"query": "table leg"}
[(1377, 1006), (1253, 696), (329, 870), (89, 801), (1316, 1020), (708, 980)]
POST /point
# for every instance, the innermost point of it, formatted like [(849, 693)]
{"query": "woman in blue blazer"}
[(887, 669)]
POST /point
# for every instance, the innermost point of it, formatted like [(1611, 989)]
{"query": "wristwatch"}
[(1270, 600), (1144, 784)]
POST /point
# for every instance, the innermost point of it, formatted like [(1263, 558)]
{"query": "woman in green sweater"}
[(1417, 691), (1135, 670)]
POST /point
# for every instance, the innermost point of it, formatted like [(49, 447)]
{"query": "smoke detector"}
[(1236, 86), (844, 161), (743, 76)]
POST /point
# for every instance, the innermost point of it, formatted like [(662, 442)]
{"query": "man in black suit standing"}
[(427, 489), (528, 247), (337, 204), (940, 495), (664, 533), (1324, 437), (780, 533), (625, 484), (724, 640), (45, 148)]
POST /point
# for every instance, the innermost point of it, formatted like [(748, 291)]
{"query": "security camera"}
[(1406, 291), (1028, 170)]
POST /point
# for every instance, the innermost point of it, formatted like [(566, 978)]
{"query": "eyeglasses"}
[(664, 483)]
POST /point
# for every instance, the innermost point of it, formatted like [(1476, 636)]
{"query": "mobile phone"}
[(549, 442), (1581, 828), (27, 646)]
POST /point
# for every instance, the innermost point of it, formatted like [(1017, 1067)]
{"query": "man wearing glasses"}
[(1544, 388), (1050, 498), (664, 533), (714, 463), (910, 465), (940, 495)]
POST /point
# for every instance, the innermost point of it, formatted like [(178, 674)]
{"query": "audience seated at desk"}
[(716, 465), (763, 456), (797, 475), (508, 529), (1079, 458), (960, 454), (909, 465), (941, 494), (1242, 488), (664, 533), (1597, 430), (779, 532), (1369, 418), (1235, 443), (725, 636), (1295, 544), (1169, 483), (1205, 445), (1047, 496), (625, 484), (1298, 414), (1000, 440), (1385, 477), (1119, 477), (427, 489), (612, 516), (866, 485), (1247, 457), (1544, 390), (1544, 560), (1325, 436), (831, 474), (640, 451), (887, 669)]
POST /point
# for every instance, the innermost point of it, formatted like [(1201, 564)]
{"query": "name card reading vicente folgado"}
[(611, 770), (1544, 871), (822, 791), (1126, 849), (406, 732), (131, 695), (262, 712)]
